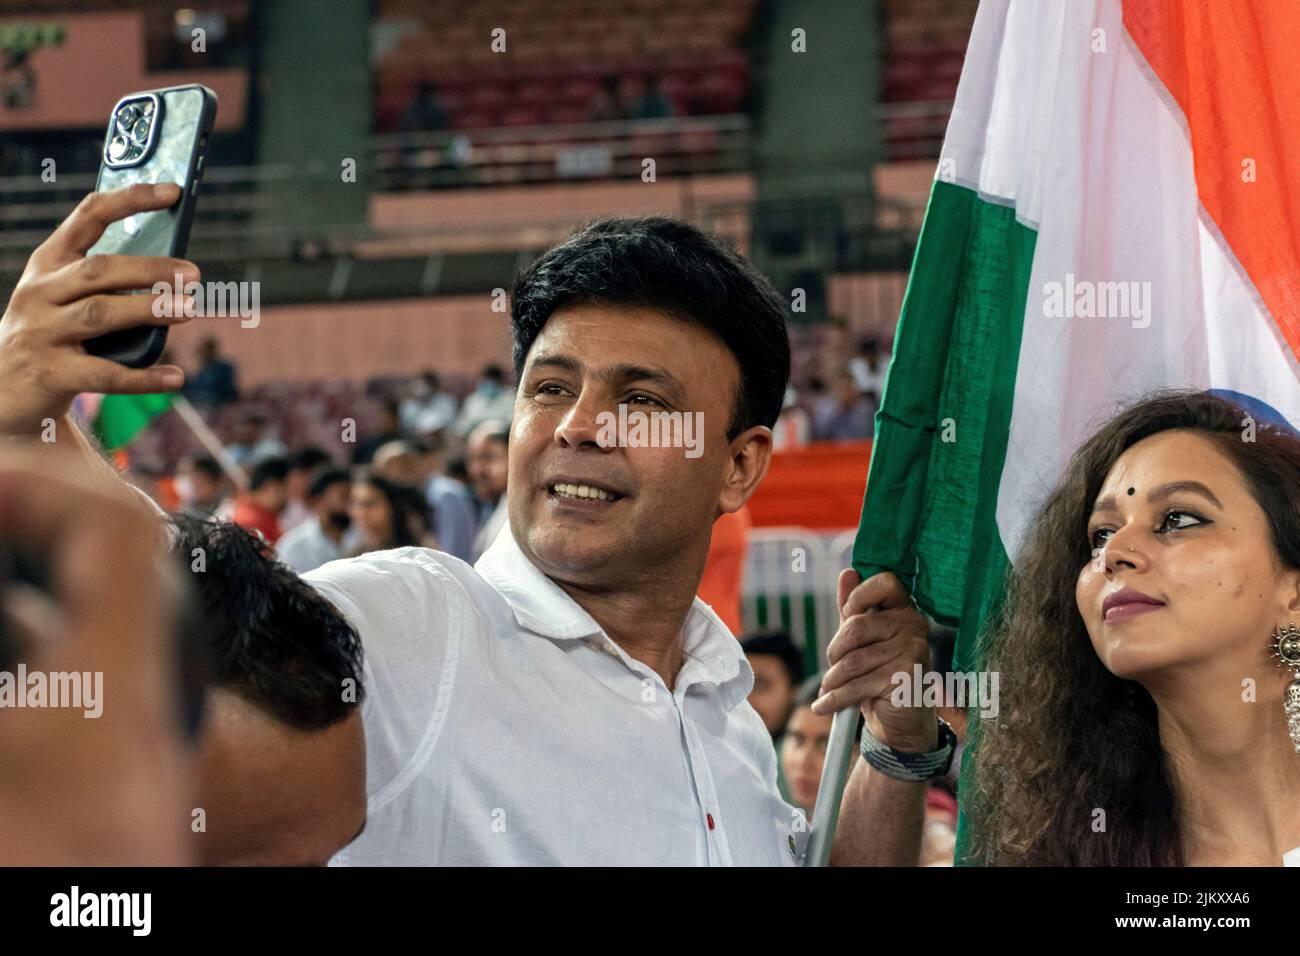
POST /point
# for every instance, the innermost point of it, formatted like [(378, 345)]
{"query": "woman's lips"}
[(1121, 612), (1127, 602)]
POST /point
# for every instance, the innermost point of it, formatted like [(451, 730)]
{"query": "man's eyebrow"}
[(641, 373), (623, 372), (1107, 504), (557, 361)]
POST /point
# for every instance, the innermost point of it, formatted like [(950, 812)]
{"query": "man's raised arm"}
[(65, 297)]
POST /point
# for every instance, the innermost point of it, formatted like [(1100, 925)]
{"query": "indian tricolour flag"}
[(1116, 209)]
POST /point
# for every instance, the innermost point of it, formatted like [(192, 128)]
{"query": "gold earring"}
[(1286, 651)]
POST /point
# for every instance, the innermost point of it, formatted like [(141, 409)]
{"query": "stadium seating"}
[(924, 46), (558, 57)]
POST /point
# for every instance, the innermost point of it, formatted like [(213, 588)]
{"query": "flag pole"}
[(835, 770), (208, 438)]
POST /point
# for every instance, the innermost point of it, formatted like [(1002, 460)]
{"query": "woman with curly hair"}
[(1147, 649)]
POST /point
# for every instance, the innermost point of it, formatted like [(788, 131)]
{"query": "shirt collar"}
[(542, 607), (539, 604)]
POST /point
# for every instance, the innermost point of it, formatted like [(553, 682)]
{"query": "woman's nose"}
[(1126, 547)]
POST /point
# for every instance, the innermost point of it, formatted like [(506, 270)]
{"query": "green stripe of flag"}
[(122, 417), (942, 429)]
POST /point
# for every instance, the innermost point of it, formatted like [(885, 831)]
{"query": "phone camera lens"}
[(126, 116), (146, 108), (140, 132), (117, 148)]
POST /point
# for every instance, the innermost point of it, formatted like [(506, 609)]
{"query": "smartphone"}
[(158, 136)]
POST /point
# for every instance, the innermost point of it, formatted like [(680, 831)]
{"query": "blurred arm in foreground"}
[(103, 780)]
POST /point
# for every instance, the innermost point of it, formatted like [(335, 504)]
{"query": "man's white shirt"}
[(504, 727)]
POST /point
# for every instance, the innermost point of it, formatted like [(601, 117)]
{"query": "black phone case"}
[(184, 123)]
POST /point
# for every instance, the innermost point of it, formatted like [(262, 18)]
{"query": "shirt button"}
[(709, 817)]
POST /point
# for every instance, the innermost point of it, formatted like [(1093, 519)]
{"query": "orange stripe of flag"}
[(1234, 70)]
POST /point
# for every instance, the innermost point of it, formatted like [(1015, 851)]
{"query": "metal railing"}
[(789, 584), (562, 152)]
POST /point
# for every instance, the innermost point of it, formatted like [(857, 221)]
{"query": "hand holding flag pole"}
[(881, 633)]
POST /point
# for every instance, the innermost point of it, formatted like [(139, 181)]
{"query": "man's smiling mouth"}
[(572, 492)]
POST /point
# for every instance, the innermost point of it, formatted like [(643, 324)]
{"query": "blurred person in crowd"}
[(402, 462), (803, 746), (593, 587), (724, 571), (215, 383), (388, 427), (253, 441), (868, 369), (455, 516), (607, 105), (491, 400), (458, 470), (425, 112), (794, 426), (835, 347), (653, 103), (320, 539), (258, 508), (200, 485), (427, 408), (385, 515), (778, 668), (281, 750), (487, 460), (846, 414), (113, 790), (303, 464)]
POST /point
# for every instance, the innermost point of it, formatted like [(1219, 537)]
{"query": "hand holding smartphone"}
[(156, 136)]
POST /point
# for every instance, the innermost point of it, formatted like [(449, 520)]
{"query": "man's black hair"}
[(207, 465), (309, 459), (266, 470), (660, 263), (270, 637), (326, 478), (494, 373), (779, 645)]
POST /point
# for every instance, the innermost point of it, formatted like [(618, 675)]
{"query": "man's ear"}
[(751, 454)]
